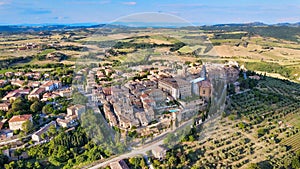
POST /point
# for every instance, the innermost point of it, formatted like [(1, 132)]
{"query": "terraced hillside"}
[(261, 126)]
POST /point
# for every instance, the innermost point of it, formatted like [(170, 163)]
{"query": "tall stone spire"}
[(203, 72)]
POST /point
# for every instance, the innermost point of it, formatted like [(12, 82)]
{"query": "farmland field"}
[(262, 123), (293, 141)]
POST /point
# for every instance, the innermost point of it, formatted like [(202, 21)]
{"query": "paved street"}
[(142, 149), (13, 140)]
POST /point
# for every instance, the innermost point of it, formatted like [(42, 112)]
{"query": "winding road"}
[(142, 149)]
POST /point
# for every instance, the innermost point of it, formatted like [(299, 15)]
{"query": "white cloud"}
[(4, 2), (84, 2), (177, 5), (288, 19), (129, 3)]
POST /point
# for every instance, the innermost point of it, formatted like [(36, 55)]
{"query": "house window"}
[(203, 92)]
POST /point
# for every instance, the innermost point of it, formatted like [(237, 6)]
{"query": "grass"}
[(128, 50), (222, 41), (270, 68), (7, 70), (285, 53), (134, 57), (101, 37), (152, 39), (190, 49), (164, 38), (294, 120), (42, 69), (39, 62), (47, 51), (274, 43)]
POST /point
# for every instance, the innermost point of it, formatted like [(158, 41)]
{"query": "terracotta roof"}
[(77, 106), (22, 91), (17, 82), (149, 101), (49, 83), (205, 84), (106, 90), (143, 96), (18, 118), (47, 95), (3, 81), (34, 83), (37, 91), (169, 81), (4, 104)]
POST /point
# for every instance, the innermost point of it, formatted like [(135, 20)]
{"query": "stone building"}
[(17, 121), (178, 88), (75, 110), (159, 152), (205, 89)]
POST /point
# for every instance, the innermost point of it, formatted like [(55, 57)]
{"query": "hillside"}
[(274, 45)]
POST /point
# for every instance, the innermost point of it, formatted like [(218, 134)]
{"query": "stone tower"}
[(203, 72)]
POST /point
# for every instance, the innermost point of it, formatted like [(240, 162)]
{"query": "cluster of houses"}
[(41, 91), (35, 90), (24, 90), (73, 114), (137, 103), (151, 104), (28, 46), (17, 121), (30, 75)]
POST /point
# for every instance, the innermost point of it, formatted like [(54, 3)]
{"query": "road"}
[(14, 140), (9, 141), (138, 151), (142, 149)]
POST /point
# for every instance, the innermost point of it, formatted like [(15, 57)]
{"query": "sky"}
[(200, 12)]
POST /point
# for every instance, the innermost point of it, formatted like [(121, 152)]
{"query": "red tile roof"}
[(143, 96), (18, 118), (205, 84)]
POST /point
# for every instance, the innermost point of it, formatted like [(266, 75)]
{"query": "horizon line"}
[(146, 23)]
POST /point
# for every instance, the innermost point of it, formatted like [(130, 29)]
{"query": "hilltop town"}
[(162, 97), (152, 100), (146, 98)]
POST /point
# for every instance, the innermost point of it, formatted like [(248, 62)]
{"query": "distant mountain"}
[(39, 28), (153, 24), (51, 27), (288, 24), (241, 24), (45, 27), (255, 24)]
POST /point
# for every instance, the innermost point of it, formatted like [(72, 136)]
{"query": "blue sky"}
[(103, 11)]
